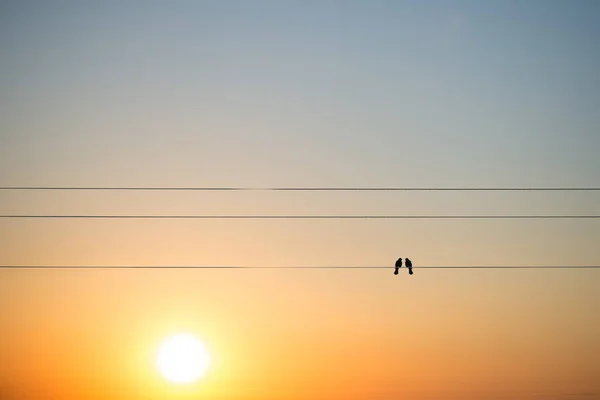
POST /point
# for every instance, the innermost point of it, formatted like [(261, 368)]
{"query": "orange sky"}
[(298, 334)]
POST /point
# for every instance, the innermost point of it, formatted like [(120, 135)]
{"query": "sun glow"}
[(182, 359)]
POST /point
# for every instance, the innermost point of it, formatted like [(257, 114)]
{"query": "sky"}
[(287, 94)]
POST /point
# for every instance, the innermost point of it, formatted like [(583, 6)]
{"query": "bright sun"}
[(182, 359)]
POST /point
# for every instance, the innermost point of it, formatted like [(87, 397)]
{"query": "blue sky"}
[(270, 93), (335, 93)]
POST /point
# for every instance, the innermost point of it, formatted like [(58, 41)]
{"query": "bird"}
[(397, 266), (408, 264)]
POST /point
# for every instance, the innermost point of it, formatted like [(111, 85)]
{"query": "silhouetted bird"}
[(398, 265), (409, 266)]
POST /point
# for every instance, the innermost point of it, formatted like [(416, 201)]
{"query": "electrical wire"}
[(82, 216), (296, 189), (293, 267)]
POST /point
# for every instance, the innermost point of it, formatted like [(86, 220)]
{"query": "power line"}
[(299, 189), (52, 216), (292, 267)]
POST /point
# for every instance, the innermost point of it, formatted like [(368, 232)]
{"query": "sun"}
[(182, 359)]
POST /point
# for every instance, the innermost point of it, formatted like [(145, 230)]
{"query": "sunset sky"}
[(287, 94)]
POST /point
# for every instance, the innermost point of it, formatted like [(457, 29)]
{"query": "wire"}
[(49, 216), (291, 267), (300, 189)]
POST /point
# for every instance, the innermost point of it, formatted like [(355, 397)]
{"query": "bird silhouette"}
[(397, 266), (408, 264)]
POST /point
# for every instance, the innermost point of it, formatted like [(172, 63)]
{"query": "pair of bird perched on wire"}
[(398, 265)]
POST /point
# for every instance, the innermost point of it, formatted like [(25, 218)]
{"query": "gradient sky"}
[(301, 93)]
